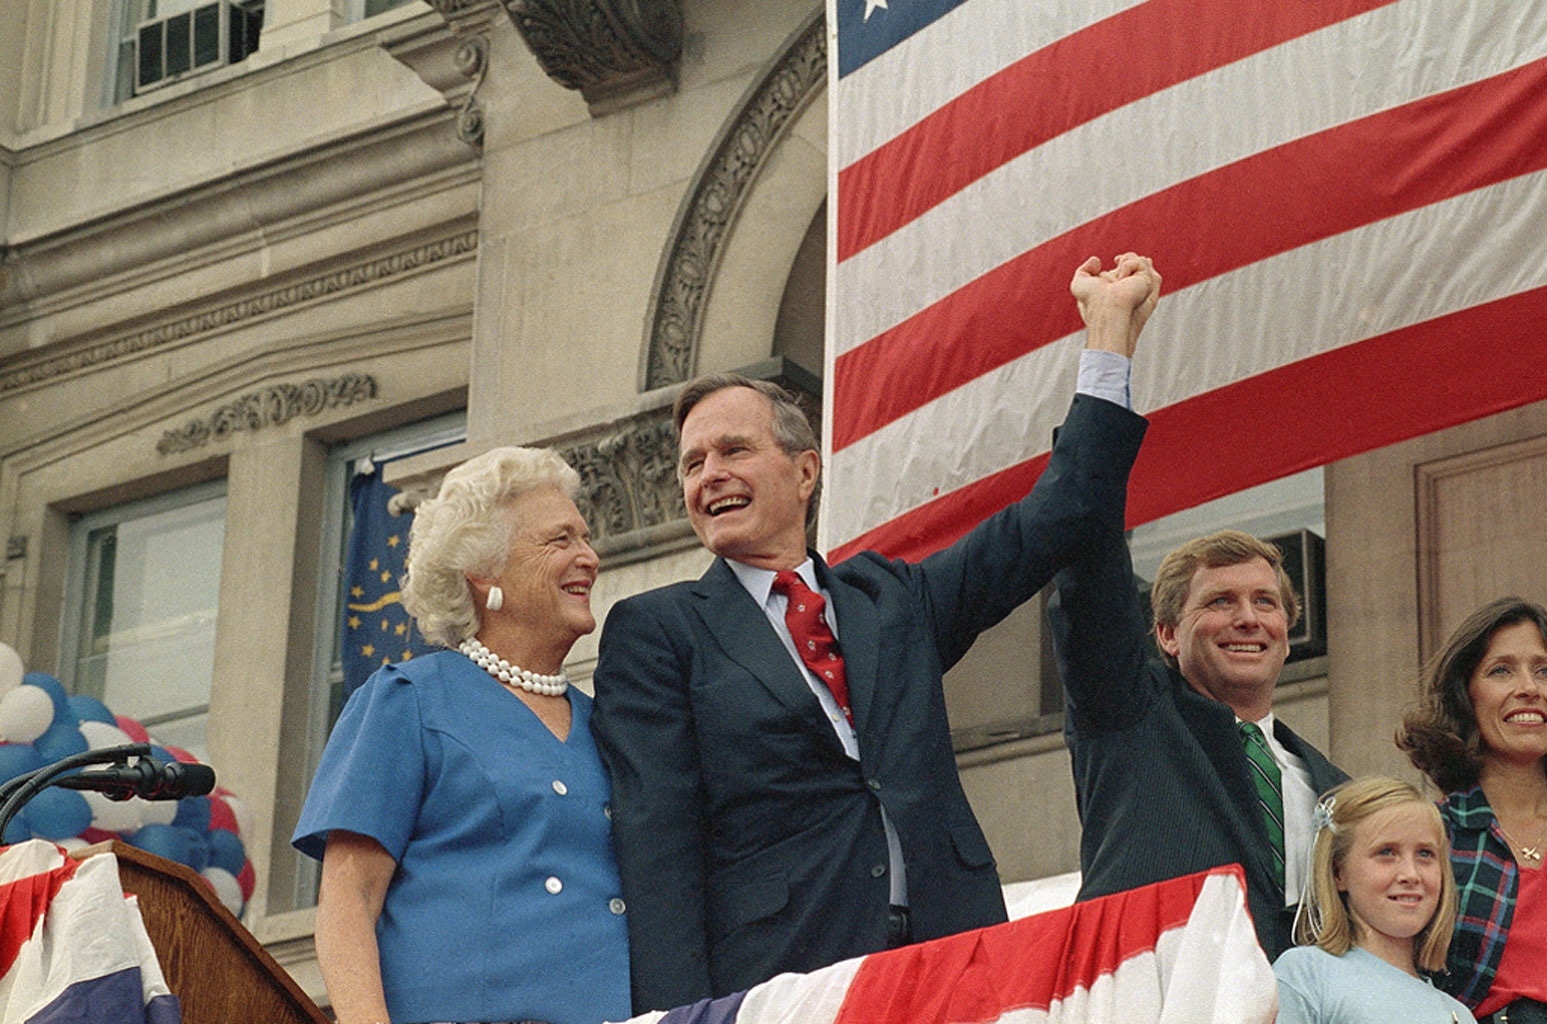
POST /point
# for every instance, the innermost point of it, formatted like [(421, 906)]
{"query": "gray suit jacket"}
[(748, 842)]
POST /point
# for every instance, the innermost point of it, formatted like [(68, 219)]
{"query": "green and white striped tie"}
[(1270, 792)]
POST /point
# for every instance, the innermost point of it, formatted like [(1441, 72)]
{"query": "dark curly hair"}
[(1440, 736)]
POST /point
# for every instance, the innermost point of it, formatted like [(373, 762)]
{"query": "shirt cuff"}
[(1105, 375)]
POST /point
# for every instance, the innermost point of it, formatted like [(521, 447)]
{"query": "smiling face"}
[(746, 497), (1231, 638), (1509, 695), (546, 579), (1392, 877)]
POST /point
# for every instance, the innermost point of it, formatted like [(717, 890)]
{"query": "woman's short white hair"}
[(466, 528)]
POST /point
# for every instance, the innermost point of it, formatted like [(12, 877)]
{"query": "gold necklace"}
[(1529, 854)]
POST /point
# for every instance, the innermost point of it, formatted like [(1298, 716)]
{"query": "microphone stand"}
[(19, 790)]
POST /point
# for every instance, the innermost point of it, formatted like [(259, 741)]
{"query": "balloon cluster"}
[(41, 724)]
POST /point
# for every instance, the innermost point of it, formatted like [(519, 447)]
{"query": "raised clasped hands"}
[(1116, 303)]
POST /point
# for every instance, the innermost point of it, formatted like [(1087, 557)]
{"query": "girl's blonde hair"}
[(1323, 919)]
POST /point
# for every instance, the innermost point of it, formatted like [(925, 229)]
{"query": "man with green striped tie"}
[(1181, 766)]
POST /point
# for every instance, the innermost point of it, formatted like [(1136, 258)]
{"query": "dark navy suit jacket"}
[(748, 842), (1160, 776)]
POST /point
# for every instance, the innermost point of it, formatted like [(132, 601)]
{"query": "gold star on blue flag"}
[(376, 631)]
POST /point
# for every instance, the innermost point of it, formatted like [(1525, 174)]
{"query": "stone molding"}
[(271, 407), (628, 478), (617, 53), (323, 286), (704, 222)]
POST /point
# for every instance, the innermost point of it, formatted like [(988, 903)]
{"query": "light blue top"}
[(506, 904), (1315, 987)]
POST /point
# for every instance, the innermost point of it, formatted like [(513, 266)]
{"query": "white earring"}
[(496, 599)]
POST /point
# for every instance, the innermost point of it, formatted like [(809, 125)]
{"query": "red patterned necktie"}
[(813, 639)]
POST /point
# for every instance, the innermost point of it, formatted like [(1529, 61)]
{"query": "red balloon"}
[(221, 815), (132, 729), (182, 755), (247, 879)]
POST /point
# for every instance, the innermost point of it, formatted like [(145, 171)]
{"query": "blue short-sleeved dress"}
[(506, 904)]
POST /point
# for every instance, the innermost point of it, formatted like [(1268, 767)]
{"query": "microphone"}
[(146, 778)]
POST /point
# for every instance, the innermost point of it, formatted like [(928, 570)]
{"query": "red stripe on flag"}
[(1377, 392), (1058, 88), (22, 905), (1313, 188), (981, 975)]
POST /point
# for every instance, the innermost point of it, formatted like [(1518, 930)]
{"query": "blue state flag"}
[(376, 630)]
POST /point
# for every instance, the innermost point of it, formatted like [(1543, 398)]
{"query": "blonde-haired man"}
[(1180, 764)]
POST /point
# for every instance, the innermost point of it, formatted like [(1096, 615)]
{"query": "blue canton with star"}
[(376, 629)]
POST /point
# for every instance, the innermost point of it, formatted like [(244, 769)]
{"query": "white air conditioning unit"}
[(191, 42)]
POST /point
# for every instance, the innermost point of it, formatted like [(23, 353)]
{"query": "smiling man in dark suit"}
[(784, 798)]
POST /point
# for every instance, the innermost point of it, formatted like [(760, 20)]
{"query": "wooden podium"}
[(217, 970)]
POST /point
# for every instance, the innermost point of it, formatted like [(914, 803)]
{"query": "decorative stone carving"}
[(472, 59), (616, 52), (715, 200), (628, 477), (310, 290), (269, 407)]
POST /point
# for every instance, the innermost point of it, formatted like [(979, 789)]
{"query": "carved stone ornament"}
[(711, 208), (289, 296), (616, 52), (628, 477), (472, 59), (269, 407)]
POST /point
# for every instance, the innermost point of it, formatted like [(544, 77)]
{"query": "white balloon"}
[(100, 735), (25, 714), (11, 668), (244, 819), (227, 889), (155, 812), (113, 815), (72, 843)]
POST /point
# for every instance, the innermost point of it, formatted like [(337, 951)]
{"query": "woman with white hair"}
[(460, 810)]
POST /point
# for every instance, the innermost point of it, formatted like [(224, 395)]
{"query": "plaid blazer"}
[(1486, 883)]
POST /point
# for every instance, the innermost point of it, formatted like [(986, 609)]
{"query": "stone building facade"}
[(477, 222)]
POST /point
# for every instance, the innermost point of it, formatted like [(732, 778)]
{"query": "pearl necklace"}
[(511, 675)]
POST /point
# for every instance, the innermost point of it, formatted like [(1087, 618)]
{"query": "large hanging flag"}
[(1176, 952), (376, 630), (1347, 200)]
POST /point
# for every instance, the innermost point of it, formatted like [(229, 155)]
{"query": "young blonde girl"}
[(1378, 908)]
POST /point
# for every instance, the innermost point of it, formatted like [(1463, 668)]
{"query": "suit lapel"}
[(858, 642), (743, 633), (1324, 774)]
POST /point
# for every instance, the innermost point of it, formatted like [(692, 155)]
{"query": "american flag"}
[(1347, 200), (1176, 952)]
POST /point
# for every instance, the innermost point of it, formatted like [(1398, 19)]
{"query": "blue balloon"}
[(90, 709), (18, 830), (161, 754), (225, 851), (198, 849), (62, 739), (58, 814), (54, 688), (163, 841), (193, 813), (18, 759)]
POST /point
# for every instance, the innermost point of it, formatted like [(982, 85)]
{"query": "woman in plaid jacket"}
[(1480, 735)]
